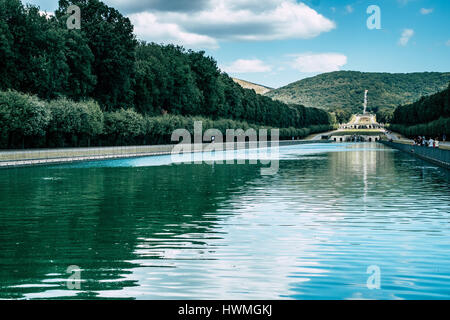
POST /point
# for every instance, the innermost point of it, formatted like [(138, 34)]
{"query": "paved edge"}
[(163, 150)]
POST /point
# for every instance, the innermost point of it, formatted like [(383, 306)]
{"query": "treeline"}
[(430, 116), (342, 116), (27, 121), (384, 115), (432, 129), (103, 66), (39, 55), (173, 80)]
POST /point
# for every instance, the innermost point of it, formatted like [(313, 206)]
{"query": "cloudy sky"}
[(275, 42)]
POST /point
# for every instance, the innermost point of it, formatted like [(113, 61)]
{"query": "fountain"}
[(365, 101)]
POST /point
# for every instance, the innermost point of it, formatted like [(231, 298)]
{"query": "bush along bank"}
[(28, 122)]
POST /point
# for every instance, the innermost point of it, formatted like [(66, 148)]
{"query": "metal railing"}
[(40, 156)]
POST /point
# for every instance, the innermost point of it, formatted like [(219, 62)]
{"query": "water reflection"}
[(203, 232)]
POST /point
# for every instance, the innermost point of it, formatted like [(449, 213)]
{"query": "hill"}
[(345, 90), (259, 89)]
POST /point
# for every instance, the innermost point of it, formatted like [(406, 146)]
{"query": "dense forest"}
[(430, 116), (344, 91), (101, 86)]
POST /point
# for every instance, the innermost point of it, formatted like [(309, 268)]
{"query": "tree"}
[(342, 116), (123, 126), (425, 110), (92, 120), (207, 79), (72, 122), (38, 55), (22, 116), (75, 71), (80, 60), (6, 43), (165, 81), (385, 116), (110, 38)]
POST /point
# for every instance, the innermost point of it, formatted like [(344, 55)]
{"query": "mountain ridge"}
[(345, 89)]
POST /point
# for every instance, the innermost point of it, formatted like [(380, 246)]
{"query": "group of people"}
[(422, 141)]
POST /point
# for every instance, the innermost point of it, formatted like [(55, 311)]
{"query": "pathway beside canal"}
[(18, 158)]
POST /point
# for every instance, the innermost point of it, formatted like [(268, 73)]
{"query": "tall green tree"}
[(38, 55), (111, 40), (207, 79)]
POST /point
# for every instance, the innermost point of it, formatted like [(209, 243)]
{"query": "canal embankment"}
[(20, 158), (438, 156)]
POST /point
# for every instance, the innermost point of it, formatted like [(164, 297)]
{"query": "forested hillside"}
[(430, 116), (344, 90), (80, 87)]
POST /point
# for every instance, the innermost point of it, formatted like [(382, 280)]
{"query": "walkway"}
[(397, 137)]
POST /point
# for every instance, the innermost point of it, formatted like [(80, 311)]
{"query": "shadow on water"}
[(94, 218)]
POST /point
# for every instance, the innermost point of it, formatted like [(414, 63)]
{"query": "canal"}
[(149, 229)]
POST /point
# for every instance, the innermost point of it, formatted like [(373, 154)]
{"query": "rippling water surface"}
[(148, 229)]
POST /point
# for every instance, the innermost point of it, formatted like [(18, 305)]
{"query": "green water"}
[(147, 229)]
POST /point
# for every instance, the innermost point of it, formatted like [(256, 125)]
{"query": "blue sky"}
[(276, 42)]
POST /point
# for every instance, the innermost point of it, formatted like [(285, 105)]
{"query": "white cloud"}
[(147, 26), (133, 6), (247, 20), (319, 62), (426, 11), (406, 35), (349, 8), (247, 66), (48, 15)]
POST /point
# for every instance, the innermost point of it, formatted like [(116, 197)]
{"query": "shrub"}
[(22, 117), (74, 123), (123, 126)]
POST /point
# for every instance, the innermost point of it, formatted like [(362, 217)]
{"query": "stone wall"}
[(437, 156)]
